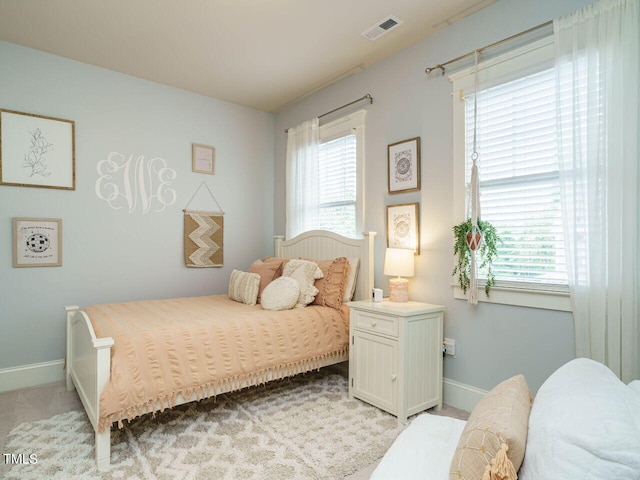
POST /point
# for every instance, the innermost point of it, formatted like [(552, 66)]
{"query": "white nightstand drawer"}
[(373, 322)]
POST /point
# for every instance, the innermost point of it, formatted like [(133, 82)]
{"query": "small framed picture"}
[(203, 158), (403, 227), (404, 165), (37, 242), (37, 151)]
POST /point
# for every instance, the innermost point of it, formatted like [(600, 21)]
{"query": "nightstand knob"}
[(394, 377), (373, 324)]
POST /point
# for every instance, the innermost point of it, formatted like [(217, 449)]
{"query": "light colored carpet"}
[(305, 427)]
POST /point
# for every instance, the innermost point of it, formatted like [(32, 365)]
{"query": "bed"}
[(95, 366)]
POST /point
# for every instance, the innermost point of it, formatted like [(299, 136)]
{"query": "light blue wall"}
[(113, 255), (493, 341)]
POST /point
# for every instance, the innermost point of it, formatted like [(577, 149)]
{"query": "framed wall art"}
[(203, 158), (403, 227), (37, 151), (37, 242), (404, 165)]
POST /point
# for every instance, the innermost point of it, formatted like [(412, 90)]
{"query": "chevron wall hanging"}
[(203, 238)]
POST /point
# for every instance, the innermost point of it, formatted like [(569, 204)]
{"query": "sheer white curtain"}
[(598, 65), (302, 171)]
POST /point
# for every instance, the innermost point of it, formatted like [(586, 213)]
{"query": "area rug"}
[(305, 427)]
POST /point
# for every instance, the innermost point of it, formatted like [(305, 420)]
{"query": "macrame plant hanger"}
[(474, 239)]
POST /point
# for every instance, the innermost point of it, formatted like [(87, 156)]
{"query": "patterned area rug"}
[(305, 427)]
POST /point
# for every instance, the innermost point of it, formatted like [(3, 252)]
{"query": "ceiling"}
[(264, 54)]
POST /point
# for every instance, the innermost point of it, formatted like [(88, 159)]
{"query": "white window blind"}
[(338, 185), (519, 178)]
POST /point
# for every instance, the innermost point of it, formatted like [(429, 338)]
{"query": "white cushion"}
[(306, 273), (584, 424), (280, 294), (635, 386), (423, 451), (244, 286), (352, 274)]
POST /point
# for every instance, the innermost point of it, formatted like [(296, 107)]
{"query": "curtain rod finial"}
[(428, 70)]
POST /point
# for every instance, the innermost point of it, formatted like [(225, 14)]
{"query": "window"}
[(339, 206), (518, 165), (338, 185)]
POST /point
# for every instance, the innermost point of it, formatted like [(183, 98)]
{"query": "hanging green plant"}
[(486, 252)]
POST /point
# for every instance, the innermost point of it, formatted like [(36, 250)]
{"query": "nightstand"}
[(395, 356)]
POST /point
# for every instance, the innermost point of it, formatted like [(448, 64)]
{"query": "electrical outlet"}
[(449, 347)]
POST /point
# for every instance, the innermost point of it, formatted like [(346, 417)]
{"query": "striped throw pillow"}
[(244, 286)]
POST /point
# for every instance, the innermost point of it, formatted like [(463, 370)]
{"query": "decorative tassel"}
[(501, 467), (473, 280), (487, 473)]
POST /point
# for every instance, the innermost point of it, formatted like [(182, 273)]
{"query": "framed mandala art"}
[(402, 227), (37, 242), (404, 165)]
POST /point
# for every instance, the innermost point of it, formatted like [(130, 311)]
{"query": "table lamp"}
[(398, 262)]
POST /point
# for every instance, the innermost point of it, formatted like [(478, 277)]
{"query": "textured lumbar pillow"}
[(305, 273), (331, 286), (493, 440), (281, 294), (244, 286)]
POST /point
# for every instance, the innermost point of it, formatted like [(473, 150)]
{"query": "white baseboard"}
[(458, 395), (462, 396), (31, 375)]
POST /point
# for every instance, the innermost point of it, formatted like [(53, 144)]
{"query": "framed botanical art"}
[(203, 159), (404, 165), (403, 227), (37, 151), (37, 242)]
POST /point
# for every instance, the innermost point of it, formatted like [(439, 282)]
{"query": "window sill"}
[(548, 300)]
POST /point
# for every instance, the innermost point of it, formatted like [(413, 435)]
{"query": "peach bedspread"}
[(205, 345)]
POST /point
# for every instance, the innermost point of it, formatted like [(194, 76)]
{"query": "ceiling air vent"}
[(383, 26)]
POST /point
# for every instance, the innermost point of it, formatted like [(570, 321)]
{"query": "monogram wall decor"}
[(135, 183)]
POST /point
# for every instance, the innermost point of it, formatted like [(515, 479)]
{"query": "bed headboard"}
[(323, 245)]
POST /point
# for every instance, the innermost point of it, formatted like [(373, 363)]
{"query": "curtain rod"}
[(365, 97), (440, 66)]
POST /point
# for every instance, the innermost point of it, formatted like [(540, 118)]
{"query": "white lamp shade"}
[(398, 262)]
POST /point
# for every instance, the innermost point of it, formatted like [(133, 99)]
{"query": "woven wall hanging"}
[(203, 235)]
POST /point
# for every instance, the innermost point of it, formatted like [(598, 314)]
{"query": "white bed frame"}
[(89, 357)]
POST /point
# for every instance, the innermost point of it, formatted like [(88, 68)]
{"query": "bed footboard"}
[(88, 370)]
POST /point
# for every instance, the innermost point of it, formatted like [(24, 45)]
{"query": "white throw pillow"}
[(352, 274), (584, 424), (280, 294), (244, 286), (306, 273)]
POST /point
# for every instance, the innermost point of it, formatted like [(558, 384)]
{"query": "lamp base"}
[(398, 290)]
